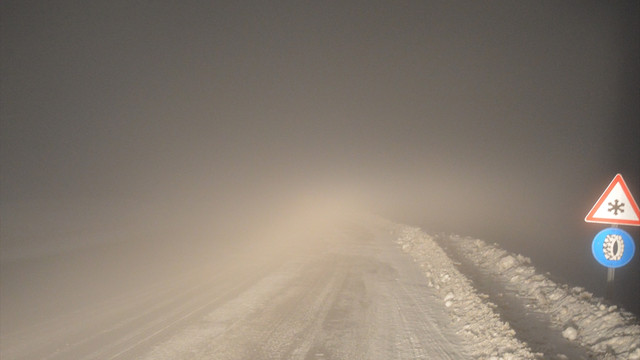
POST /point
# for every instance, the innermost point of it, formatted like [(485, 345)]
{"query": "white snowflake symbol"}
[(615, 207)]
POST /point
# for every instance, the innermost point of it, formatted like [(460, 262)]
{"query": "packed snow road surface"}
[(360, 289), (352, 295), (348, 294)]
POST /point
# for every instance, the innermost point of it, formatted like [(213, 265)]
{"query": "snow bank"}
[(487, 336), (605, 330)]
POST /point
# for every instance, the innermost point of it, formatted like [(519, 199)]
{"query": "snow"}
[(590, 327), (366, 289), (356, 297), (486, 335), (570, 333), (576, 313)]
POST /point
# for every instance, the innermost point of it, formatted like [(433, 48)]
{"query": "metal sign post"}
[(611, 273), (610, 284)]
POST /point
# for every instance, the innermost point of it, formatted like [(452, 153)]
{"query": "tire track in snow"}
[(415, 325), (284, 325), (43, 340), (386, 310), (132, 329), (343, 302)]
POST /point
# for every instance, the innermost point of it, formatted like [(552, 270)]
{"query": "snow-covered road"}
[(349, 294), (365, 289), (122, 326), (352, 295)]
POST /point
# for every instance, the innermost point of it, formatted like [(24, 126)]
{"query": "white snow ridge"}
[(487, 335), (507, 310)]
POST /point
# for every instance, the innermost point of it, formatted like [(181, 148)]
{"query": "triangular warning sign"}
[(615, 206)]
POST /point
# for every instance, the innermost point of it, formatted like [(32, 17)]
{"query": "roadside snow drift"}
[(507, 310), (575, 313), (487, 335)]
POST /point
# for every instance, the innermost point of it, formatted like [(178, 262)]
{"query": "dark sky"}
[(498, 119)]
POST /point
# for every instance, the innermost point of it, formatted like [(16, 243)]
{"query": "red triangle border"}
[(616, 180)]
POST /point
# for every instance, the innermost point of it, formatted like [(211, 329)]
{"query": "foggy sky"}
[(503, 120)]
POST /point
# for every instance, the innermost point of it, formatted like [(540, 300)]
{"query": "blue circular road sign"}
[(613, 247)]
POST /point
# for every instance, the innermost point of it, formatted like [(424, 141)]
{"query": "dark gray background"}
[(501, 120)]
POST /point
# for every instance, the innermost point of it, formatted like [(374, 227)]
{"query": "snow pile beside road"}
[(488, 337), (580, 317)]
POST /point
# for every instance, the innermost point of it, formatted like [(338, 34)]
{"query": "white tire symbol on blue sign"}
[(613, 247)]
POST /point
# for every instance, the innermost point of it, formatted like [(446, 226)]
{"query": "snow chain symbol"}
[(613, 247)]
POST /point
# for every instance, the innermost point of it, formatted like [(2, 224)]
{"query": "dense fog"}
[(185, 131)]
